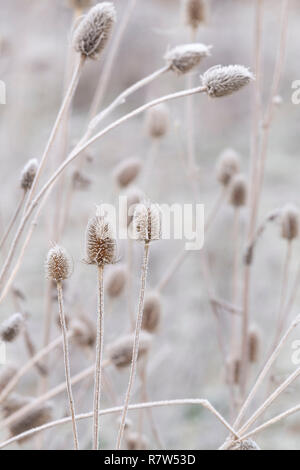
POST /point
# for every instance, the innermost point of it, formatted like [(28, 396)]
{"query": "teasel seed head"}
[(84, 331), (224, 80), (40, 415), (120, 352), (28, 174), (6, 374), (13, 403), (290, 222), (12, 327), (101, 245), (184, 58), (195, 12), (147, 222), (58, 264), (157, 121), (152, 312), (127, 171), (238, 191), (246, 444), (116, 280), (92, 33), (135, 441), (254, 343), (227, 166)]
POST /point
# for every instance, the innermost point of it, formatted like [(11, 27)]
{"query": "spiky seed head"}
[(254, 343), (116, 280), (227, 166), (80, 3), (290, 222), (152, 312), (58, 264), (28, 174), (195, 12), (80, 181), (40, 415), (100, 243), (11, 328), (84, 331), (184, 58), (126, 172), (6, 374), (246, 444), (238, 190), (135, 441), (134, 197), (224, 80), (93, 32), (13, 403), (147, 222), (120, 352), (157, 121)]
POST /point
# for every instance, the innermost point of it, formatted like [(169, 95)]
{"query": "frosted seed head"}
[(101, 248), (227, 166), (120, 352), (157, 121), (28, 174), (290, 222), (224, 80), (116, 280), (84, 331), (40, 415), (195, 12), (127, 171), (92, 33), (247, 444), (238, 191), (13, 403), (184, 58), (152, 312), (147, 222), (12, 327), (58, 264)]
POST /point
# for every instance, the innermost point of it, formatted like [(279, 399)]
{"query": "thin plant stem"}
[(13, 219), (118, 409), (130, 281), (99, 355), (135, 350), (67, 361), (75, 153)]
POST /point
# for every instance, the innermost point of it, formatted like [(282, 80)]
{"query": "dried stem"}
[(67, 361), (135, 344), (12, 220)]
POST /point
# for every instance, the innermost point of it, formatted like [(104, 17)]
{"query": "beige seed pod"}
[(92, 33), (6, 374), (247, 444), (157, 121), (184, 58), (238, 190), (58, 264), (290, 222), (233, 370), (227, 166), (100, 242), (116, 280), (147, 222), (40, 415), (84, 331), (152, 312), (135, 441), (224, 80), (13, 403), (28, 174), (12, 327), (127, 171), (254, 343), (120, 352), (195, 12)]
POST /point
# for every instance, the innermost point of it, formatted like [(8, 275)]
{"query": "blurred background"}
[(185, 359)]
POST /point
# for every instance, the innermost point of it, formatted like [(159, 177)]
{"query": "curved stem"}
[(135, 350)]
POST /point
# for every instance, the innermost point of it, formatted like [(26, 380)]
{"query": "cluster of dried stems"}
[(25, 417)]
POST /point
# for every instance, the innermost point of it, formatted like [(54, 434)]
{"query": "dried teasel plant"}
[(152, 312), (80, 4), (184, 58), (238, 191), (36, 417), (127, 171), (28, 174), (136, 441), (116, 280), (58, 269), (147, 225), (254, 343), (120, 351), (12, 327), (91, 35), (221, 80), (157, 121), (83, 331), (246, 444), (289, 222), (101, 250), (228, 165), (195, 12)]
